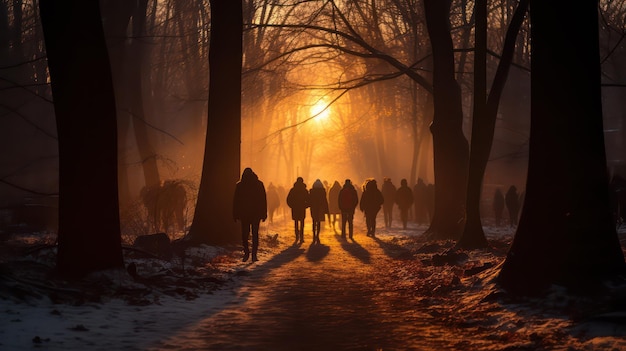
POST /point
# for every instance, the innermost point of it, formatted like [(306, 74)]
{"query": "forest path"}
[(337, 295)]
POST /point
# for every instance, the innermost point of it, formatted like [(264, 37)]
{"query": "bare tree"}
[(221, 164), (89, 228), (566, 234)]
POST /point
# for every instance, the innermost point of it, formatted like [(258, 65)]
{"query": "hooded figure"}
[(298, 201), (319, 208), (250, 207), (389, 196), (371, 201), (512, 204), (404, 199), (333, 203), (348, 199)]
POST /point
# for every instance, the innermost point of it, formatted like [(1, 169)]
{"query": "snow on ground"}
[(462, 293)]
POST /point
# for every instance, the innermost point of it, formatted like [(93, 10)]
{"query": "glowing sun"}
[(320, 110)]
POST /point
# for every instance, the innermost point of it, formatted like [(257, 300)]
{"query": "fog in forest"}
[(314, 104)]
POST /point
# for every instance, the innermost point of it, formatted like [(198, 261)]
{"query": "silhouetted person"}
[(512, 204), (419, 202), (249, 207), (273, 201), (319, 208), (333, 202), (498, 206), (371, 201), (348, 199), (389, 196), (298, 201), (404, 199), (282, 194)]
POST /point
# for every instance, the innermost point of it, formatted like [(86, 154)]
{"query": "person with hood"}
[(319, 208), (404, 199), (249, 208), (389, 196), (298, 201), (371, 202), (333, 203), (347, 201)]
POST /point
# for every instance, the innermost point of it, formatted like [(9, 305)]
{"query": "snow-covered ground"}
[(139, 317)]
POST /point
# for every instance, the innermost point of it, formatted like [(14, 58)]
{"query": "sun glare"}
[(320, 110)]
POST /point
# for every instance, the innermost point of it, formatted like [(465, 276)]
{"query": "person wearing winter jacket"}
[(298, 201), (347, 201), (318, 205), (371, 202), (404, 200), (512, 204), (333, 203), (389, 197), (249, 208)]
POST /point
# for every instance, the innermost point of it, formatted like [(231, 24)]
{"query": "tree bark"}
[(89, 228), (212, 222), (450, 147), (484, 124), (566, 235)]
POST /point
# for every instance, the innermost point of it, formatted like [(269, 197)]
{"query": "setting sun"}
[(320, 110)]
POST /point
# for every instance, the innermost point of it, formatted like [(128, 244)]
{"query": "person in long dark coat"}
[(333, 203), (273, 201), (371, 202), (389, 197), (348, 199), (404, 199), (498, 206), (420, 199), (249, 208), (512, 204), (319, 208), (298, 201)]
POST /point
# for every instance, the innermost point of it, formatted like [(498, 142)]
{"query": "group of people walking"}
[(250, 205)]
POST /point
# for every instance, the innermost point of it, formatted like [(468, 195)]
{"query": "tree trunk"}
[(484, 123), (450, 146), (89, 228), (212, 222), (566, 235)]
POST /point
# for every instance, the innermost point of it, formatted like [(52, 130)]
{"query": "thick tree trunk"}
[(89, 228), (450, 146), (566, 234), (212, 222), (483, 125)]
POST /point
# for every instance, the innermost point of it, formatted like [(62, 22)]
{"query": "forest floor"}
[(392, 292)]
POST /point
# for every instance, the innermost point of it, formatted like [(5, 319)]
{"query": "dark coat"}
[(512, 200), (333, 198), (348, 198), (404, 197), (249, 203), (389, 193), (298, 200), (273, 200), (318, 203), (372, 199)]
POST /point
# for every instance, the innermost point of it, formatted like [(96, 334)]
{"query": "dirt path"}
[(333, 296)]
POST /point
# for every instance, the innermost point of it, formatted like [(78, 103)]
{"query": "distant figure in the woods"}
[(298, 201), (419, 201), (618, 199), (404, 199), (273, 201), (348, 199), (389, 196), (371, 202), (319, 208), (512, 204), (327, 188), (333, 202), (282, 194), (165, 203), (250, 207), (498, 206)]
